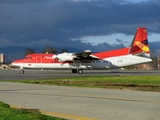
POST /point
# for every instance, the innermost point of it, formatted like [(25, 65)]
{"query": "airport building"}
[(2, 58)]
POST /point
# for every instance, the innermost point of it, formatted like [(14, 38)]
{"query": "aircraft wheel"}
[(74, 70), (80, 71), (22, 71)]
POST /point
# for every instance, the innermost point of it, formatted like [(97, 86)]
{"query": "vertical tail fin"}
[(140, 42)]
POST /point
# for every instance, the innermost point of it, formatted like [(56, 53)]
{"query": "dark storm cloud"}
[(154, 47), (19, 1), (64, 22)]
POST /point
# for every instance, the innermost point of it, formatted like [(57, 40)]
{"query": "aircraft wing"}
[(85, 55), (82, 56)]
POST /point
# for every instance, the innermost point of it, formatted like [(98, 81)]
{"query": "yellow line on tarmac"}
[(130, 99), (122, 99), (55, 114)]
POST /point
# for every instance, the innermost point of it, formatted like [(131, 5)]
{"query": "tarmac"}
[(43, 74), (79, 103)]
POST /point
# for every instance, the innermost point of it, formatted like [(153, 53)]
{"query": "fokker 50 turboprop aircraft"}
[(137, 53)]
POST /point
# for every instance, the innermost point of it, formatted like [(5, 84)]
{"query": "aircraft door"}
[(39, 62)]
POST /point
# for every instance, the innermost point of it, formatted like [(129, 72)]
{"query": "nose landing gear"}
[(22, 71)]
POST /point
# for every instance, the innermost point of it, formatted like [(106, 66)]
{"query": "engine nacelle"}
[(63, 57)]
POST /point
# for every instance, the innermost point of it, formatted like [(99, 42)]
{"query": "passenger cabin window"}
[(105, 61)]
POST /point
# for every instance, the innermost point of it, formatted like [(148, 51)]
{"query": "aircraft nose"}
[(15, 62)]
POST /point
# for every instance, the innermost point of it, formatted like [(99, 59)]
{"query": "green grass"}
[(149, 83), (7, 113)]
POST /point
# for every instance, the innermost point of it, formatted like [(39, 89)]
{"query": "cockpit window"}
[(28, 58)]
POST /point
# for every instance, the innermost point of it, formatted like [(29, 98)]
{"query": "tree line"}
[(46, 50)]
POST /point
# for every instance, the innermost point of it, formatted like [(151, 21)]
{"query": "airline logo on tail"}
[(143, 46), (140, 42)]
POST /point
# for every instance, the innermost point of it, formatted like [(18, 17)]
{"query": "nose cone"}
[(17, 63), (14, 63)]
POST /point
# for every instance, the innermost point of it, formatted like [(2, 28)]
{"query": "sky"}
[(83, 24)]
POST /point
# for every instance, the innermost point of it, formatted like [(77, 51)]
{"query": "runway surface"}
[(42, 74), (83, 103), (80, 103)]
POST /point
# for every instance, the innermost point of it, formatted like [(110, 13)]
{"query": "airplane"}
[(138, 52)]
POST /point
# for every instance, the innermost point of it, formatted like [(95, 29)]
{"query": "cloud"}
[(58, 22), (118, 40), (5, 43)]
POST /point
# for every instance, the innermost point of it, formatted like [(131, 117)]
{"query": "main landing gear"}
[(80, 71), (78, 67)]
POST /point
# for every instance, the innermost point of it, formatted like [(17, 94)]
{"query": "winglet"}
[(140, 42)]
